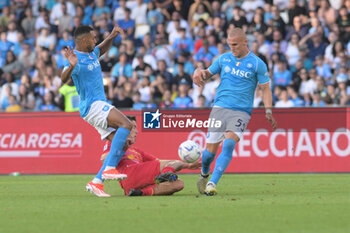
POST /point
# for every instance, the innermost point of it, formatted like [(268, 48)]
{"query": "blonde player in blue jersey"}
[(240, 72), (83, 66)]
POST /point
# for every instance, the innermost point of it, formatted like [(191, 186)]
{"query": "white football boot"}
[(210, 189)]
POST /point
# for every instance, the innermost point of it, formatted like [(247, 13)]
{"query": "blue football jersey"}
[(87, 77), (239, 78)]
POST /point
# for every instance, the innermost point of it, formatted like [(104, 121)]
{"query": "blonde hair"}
[(236, 32)]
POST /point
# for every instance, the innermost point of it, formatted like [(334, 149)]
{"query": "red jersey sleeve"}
[(145, 156)]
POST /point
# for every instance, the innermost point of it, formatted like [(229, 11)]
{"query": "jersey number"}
[(240, 124)]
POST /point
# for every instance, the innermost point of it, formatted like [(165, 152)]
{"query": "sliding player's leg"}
[(165, 188), (153, 178), (140, 175), (169, 188)]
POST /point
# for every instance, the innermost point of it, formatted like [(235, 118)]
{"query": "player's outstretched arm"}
[(73, 60), (179, 165), (267, 99), (107, 43), (193, 166), (200, 76)]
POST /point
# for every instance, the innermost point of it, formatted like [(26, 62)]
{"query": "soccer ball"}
[(189, 151)]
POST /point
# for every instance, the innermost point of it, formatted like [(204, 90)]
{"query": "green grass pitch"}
[(258, 203)]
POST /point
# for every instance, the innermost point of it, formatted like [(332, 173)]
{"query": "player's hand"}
[(117, 30), (272, 120), (199, 77), (71, 56), (195, 165)]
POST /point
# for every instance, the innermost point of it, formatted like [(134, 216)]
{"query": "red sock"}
[(168, 169), (149, 190)]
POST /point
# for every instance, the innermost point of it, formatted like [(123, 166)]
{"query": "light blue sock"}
[(207, 159), (116, 152), (118, 142), (223, 160), (99, 174)]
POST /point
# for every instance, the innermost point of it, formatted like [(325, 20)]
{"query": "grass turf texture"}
[(245, 203)]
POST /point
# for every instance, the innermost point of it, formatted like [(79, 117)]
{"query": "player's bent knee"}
[(123, 124), (117, 119), (232, 135), (178, 185), (213, 147)]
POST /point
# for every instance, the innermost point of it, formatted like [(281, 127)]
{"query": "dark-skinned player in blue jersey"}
[(83, 66)]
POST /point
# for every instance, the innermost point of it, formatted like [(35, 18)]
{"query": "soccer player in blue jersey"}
[(83, 66), (240, 71)]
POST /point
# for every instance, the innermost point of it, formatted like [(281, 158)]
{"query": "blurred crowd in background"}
[(305, 45)]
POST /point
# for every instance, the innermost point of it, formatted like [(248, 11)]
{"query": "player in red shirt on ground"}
[(148, 175)]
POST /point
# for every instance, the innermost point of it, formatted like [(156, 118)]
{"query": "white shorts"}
[(97, 117), (233, 121)]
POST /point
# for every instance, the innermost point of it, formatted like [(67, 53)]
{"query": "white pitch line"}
[(19, 153)]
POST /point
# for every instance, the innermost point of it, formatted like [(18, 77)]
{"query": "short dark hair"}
[(81, 30), (293, 87), (131, 118)]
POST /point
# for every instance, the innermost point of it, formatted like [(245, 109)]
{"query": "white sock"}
[(97, 181), (204, 175), (211, 183), (109, 167)]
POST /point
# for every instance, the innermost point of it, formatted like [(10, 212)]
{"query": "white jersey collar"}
[(81, 52), (244, 56)]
